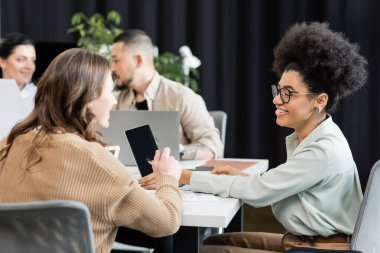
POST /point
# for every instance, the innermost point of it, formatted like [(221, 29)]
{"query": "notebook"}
[(164, 125), (240, 165), (12, 106)]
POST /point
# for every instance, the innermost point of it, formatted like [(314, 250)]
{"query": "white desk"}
[(211, 213), (216, 214)]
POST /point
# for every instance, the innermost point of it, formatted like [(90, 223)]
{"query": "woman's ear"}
[(321, 101), (89, 107), (2, 63)]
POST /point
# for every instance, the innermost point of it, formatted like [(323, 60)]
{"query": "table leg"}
[(186, 240)]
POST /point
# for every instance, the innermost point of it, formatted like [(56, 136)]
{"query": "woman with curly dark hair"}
[(316, 193)]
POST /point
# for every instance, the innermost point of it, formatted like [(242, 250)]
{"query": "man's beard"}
[(124, 85)]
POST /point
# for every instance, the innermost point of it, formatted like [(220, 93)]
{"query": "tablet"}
[(143, 146)]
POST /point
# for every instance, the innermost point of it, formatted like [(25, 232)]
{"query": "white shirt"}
[(315, 192), (28, 93)]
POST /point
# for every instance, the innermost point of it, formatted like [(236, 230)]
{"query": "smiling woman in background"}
[(17, 61)]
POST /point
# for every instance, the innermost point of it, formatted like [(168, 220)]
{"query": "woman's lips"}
[(280, 112)]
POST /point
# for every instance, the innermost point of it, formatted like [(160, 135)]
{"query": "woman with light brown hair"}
[(56, 153)]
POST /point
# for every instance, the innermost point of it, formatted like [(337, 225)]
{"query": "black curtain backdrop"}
[(234, 40)]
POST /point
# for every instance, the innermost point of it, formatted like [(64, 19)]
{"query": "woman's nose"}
[(277, 99)]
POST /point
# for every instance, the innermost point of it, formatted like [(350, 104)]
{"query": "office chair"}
[(365, 238), (220, 120), (42, 227)]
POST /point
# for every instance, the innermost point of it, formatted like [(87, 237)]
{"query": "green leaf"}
[(114, 16), (77, 18)]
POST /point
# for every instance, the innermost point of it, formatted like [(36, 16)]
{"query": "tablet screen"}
[(143, 147)]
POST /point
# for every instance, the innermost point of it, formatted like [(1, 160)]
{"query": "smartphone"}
[(204, 168), (143, 146)]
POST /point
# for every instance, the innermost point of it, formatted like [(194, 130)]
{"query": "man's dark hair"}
[(134, 37)]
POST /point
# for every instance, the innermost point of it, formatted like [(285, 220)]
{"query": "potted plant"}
[(181, 68), (96, 33)]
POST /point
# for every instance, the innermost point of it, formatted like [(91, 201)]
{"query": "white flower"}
[(155, 51), (105, 50), (189, 61)]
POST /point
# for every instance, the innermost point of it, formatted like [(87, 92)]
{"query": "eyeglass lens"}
[(284, 93)]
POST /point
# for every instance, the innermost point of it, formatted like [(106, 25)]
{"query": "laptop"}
[(164, 125), (12, 106)]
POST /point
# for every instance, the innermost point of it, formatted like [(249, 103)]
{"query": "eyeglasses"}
[(285, 93)]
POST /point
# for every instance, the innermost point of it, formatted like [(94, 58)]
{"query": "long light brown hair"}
[(72, 80)]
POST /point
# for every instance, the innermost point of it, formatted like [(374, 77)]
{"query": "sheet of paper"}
[(189, 196)]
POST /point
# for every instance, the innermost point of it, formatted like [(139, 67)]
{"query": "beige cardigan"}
[(69, 167)]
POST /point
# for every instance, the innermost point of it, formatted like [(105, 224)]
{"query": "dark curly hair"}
[(326, 60)]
